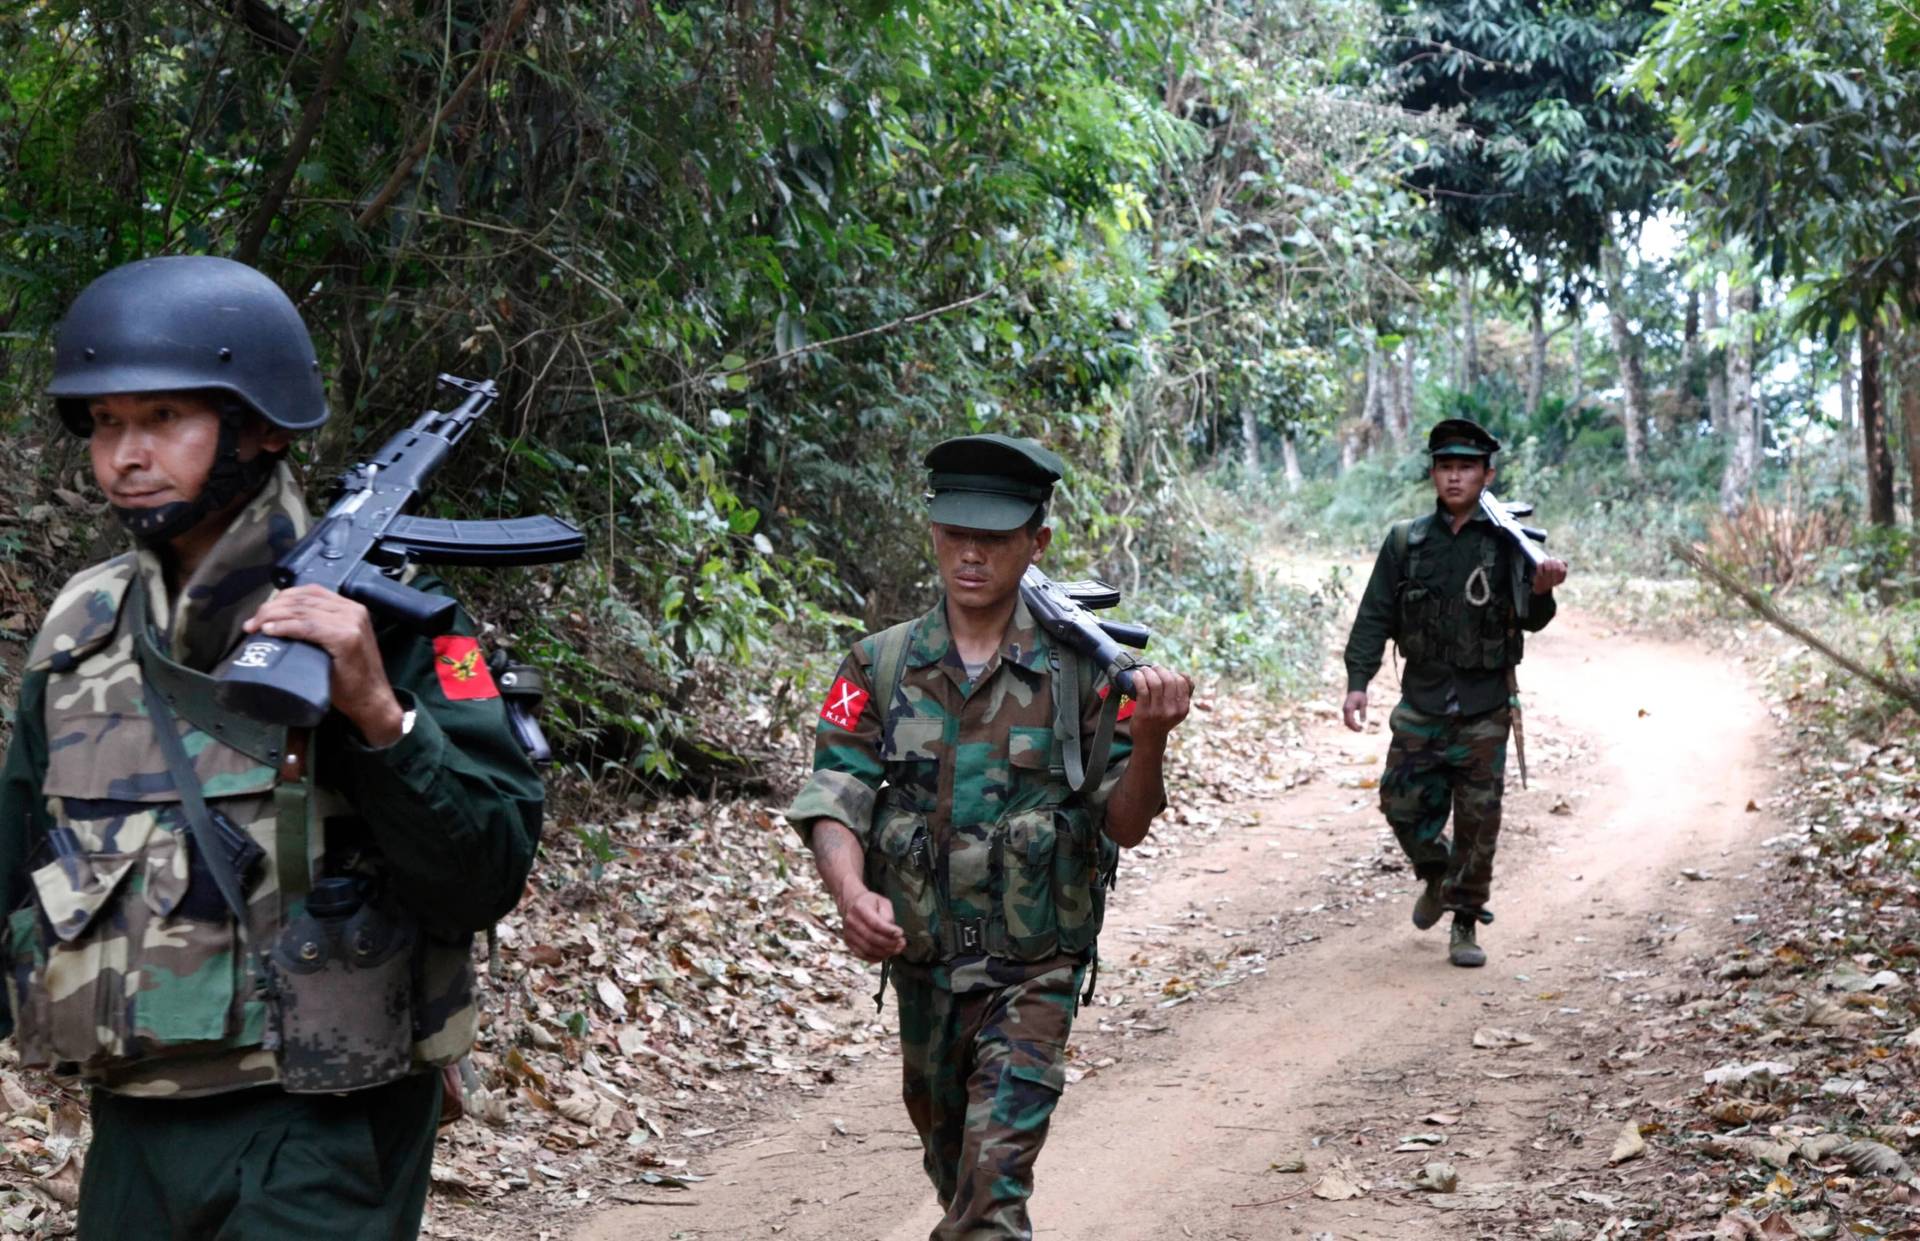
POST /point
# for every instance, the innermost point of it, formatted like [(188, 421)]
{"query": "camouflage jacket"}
[(956, 789), (123, 967), (1448, 564)]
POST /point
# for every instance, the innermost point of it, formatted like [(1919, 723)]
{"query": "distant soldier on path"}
[(1440, 590), (946, 828)]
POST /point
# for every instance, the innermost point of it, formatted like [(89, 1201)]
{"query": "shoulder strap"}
[(1402, 535), (889, 665), (1084, 770), (193, 801)]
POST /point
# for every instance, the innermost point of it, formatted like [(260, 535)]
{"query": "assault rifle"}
[(359, 548), (1505, 515), (1065, 610)]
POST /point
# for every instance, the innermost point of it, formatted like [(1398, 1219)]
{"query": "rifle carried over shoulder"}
[(1065, 610), (359, 548), (1505, 515)]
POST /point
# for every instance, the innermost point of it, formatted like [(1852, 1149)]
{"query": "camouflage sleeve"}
[(455, 805), (23, 810), (1373, 623), (847, 770)]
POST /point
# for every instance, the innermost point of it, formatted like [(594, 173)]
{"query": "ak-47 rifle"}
[(359, 548), (1505, 515), (1065, 610)]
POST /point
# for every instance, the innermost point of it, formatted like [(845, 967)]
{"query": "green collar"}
[(932, 639)]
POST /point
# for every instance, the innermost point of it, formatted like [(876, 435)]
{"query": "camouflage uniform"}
[(997, 875), (1446, 599), (126, 970)]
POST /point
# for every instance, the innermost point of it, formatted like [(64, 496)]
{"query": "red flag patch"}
[(845, 703), (1126, 704), (463, 674)]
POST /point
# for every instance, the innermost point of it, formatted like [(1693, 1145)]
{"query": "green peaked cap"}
[(990, 482), (1461, 437)]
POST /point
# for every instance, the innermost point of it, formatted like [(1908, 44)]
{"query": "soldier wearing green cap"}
[(1438, 591), (944, 825)]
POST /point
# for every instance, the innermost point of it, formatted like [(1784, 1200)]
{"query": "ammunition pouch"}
[(1045, 890), (340, 976)]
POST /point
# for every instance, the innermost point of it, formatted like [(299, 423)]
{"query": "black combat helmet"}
[(191, 323), (187, 323)]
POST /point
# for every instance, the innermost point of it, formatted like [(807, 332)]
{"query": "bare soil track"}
[(1646, 757)]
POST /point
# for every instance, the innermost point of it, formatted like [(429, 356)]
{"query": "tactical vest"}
[(1036, 885), (127, 968), (1475, 628)]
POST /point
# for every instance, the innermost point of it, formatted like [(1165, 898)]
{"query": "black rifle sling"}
[(192, 800)]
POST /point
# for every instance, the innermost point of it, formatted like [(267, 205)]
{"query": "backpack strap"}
[(889, 665)]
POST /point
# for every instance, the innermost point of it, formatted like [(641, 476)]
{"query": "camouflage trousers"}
[(1440, 765), (982, 1073)]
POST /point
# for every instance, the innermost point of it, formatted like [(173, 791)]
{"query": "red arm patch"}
[(1126, 704), (845, 704), (463, 674)]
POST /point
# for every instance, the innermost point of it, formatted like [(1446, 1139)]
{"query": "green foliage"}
[(1550, 153), (1798, 123), (736, 266)]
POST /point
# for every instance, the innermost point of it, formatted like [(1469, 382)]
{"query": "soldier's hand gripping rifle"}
[(1531, 541), (359, 548)]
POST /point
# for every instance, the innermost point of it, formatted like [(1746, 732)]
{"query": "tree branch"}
[(1892, 686), (489, 52), (248, 251)]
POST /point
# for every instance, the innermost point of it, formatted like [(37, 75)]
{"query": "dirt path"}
[(1343, 1028)]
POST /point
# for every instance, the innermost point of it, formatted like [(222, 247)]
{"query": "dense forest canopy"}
[(737, 264)]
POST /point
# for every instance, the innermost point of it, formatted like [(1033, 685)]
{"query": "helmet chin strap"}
[(228, 480)]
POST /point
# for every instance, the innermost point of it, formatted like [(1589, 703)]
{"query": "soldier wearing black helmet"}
[(1438, 590), (126, 967)]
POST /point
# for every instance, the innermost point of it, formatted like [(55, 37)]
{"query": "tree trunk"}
[(1579, 393), (1633, 384), (1536, 352), (1403, 391), (1249, 439), (1849, 406), (1910, 416), (1379, 396), (1686, 406), (1873, 430), (1717, 358), (1290, 457), (1736, 481), (1469, 337)]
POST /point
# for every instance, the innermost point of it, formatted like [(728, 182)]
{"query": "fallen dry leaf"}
[(1629, 1145)]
